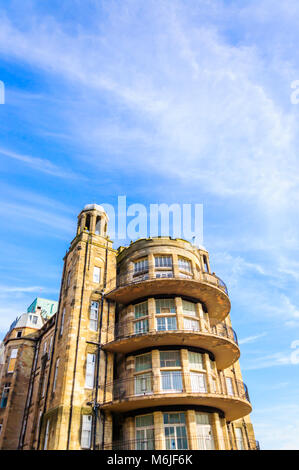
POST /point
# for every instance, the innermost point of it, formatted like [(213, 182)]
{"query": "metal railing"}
[(147, 384), (170, 272), (183, 443), (133, 328)]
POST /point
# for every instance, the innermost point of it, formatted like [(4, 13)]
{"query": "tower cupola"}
[(93, 219)]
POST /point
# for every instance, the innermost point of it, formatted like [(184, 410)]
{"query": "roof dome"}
[(97, 207)]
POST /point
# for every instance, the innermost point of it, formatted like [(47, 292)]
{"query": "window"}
[(205, 262), (68, 280), (50, 347), (239, 439), (229, 386), (170, 359), (90, 368), (47, 435), (44, 386), (189, 308), (167, 273), (163, 261), (96, 274), (191, 325), (143, 362), (175, 431), (0, 429), (55, 375), (166, 323), (62, 322), (144, 426), (172, 381), (198, 382), (34, 319), (143, 384), (12, 361), (45, 348), (141, 266), (204, 431), (195, 360), (94, 316), (165, 306), (185, 264), (141, 310), (141, 326), (98, 226), (5, 394), (19, 334), (86, 431)]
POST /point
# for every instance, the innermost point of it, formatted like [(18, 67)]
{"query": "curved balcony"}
[(148, 390), (193, 442), (221, 340), (204, 287)]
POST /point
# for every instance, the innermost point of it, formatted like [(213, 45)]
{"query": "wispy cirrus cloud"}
[(40, 164), (251, 339)]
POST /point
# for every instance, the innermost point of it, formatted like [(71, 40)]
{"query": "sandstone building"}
[(141, 353)]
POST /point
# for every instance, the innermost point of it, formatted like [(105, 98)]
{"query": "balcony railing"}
[(140, 327), (147, 384), (185, 443), (170, 272)]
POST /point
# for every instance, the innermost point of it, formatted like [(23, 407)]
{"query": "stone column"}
[(156, 371), (185, 371), (191, 430), (175, 267), (159, 431), (151, 314), (151, 266), (207, 366), (179, 313)]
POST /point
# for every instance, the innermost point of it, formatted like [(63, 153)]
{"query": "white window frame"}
[(47, 435), (55, 375), (13, 355), (62, 322), (90, 370), (229, 386), (94, 316), (198, 382), (86, 431), (96, 274), (166, 323)]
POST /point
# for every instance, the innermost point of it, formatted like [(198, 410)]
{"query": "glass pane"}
[(195, 360), (170, 359), (143, 384), (141, 310), (189, 308), (165, 306), (143, 362), (171, 323), (145, 420), (141, 326)]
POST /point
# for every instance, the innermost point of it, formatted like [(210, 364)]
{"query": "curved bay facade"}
[(144, 355)]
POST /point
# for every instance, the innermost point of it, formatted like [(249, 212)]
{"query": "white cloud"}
[(39, 164), (251, 339)]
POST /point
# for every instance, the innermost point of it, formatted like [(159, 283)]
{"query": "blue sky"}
[(161, 101)]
